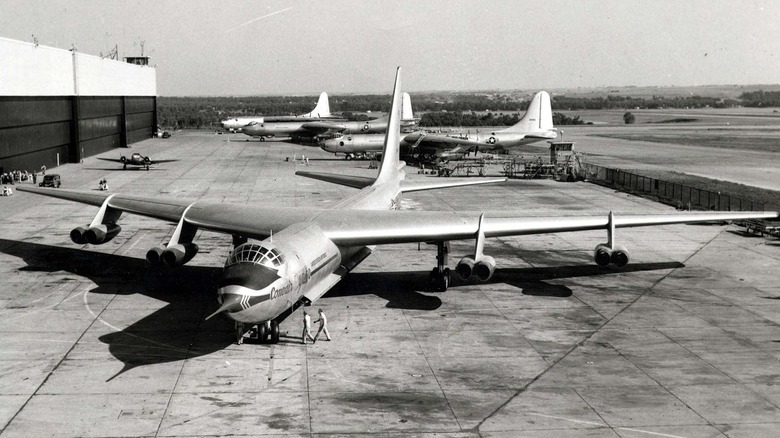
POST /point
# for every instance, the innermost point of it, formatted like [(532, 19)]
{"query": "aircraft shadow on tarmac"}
[(179, 330), (400, 289), (112, 169), (174, 332)]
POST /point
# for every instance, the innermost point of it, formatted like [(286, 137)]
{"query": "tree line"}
[(437, 109)]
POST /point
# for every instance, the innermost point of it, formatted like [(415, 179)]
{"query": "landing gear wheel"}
[(239, 333), (439, 281), (262, 333), (124, 167), (274, 332), (262, 138), (348, 157)]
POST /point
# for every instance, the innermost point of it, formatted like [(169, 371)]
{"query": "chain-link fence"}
[(679, 195)]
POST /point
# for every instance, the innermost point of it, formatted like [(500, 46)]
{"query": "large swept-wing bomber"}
[(284, 257)]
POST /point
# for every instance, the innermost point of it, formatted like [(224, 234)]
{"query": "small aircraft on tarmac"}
[(135, 160), (299, 253)]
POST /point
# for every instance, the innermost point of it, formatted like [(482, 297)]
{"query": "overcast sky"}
[(251, 47)]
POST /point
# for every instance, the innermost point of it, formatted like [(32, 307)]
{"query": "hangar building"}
[(58, 106)]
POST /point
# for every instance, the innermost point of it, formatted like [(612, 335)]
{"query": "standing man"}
[(306, 328), (323, 326)]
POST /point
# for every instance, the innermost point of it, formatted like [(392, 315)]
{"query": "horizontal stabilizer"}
[(357, 182), (430, 184)]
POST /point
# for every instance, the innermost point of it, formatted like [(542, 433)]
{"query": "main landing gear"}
[(439, 278), (264, 333)]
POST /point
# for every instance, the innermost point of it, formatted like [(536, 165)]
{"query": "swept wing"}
[(372, 227)]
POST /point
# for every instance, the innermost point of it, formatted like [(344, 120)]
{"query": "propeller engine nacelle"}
[(482, 268), (95, 235), (176, 255), (604, 256)]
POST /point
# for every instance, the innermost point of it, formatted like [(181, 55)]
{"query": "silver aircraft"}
[(297, 254), (302, 129), (536, 125), (320, 111)]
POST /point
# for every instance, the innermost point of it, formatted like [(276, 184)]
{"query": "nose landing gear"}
[(264, 333)]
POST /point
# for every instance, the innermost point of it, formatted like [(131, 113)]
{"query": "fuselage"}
[(137, 159), (238, 123), (262, 280)]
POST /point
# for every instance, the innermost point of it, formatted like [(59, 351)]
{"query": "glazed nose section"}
[(231, 302)]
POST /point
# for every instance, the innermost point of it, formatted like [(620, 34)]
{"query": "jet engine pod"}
[(100, 233), (77, 235), (465, 267), (602, 255), (484, 268), (619, 256), (154, 255), (179, 254)]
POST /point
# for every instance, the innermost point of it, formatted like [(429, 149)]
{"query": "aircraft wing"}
[(162, 161), (321, 127), (373, 227), (113, 160)]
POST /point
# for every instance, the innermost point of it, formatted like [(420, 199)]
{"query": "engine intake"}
[(95, 235), (619, 257), (465, 267), (484, 268), (154, 255), (602, 255), (77, 235)]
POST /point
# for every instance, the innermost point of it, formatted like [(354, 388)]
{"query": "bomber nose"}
[(231, 302)]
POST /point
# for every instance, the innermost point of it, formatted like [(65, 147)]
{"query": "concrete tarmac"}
[(683, 342)]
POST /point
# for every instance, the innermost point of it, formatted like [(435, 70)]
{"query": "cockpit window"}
[(256, 254)]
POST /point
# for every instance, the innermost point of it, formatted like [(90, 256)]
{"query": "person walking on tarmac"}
[(306, 328), (323, 326)]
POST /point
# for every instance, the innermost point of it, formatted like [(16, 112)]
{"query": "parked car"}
[(51, 180)]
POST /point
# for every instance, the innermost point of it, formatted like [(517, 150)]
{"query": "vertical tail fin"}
[(538, 117), (389, 169), (406, 113), (322, 109)]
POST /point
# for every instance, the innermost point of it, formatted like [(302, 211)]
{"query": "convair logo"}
[(276, 293)]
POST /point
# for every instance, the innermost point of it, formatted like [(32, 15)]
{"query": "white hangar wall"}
[(57, 106)]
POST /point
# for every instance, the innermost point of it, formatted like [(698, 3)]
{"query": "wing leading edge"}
[(375, 227)]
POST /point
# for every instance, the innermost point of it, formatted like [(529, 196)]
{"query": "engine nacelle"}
[(484, 268), (465, 267), (147, 160), (619, 256), (77, 235), (179, 254), (100, 233), (154, 255), (602, 255)]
